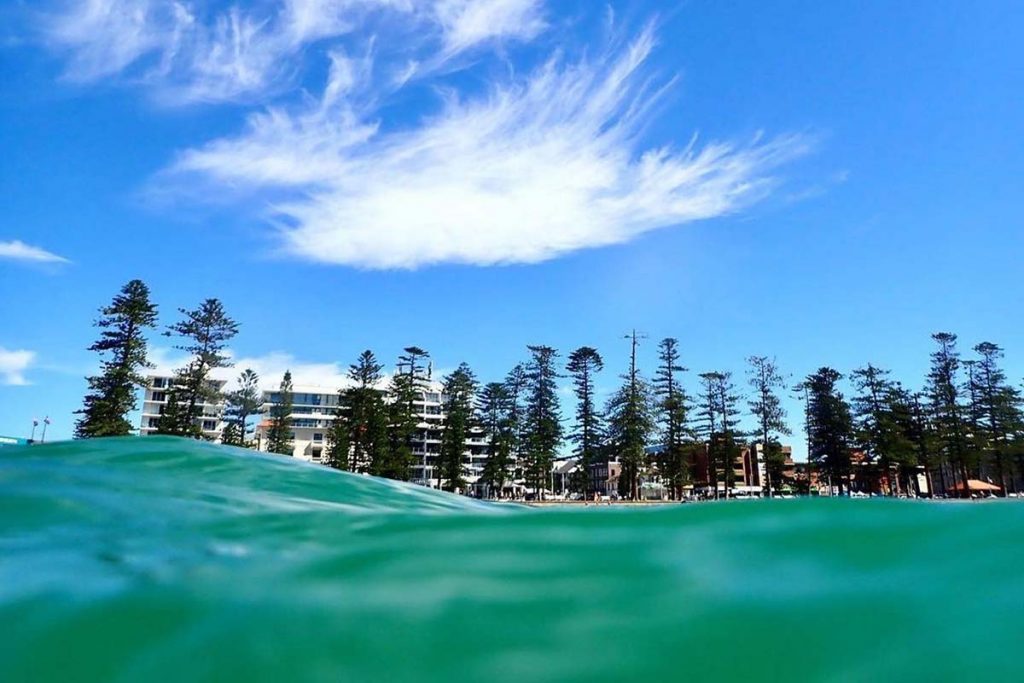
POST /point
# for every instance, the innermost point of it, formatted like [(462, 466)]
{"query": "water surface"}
[(157, 559)]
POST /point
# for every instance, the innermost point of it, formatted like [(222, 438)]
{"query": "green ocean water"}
[(161, 559)]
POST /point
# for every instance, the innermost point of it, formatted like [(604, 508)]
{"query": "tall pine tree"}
[(407, 388), (242, 403), (205, 332), (460, 394), (947, 411), (584, 363), (766, 383), (542, 418), (495, 415), (516, 385), (720, 428), (122, 341), (673, 407), (879, 430), (367, 411), (829, 427), (999, 410), (630, 424), (279, 434)]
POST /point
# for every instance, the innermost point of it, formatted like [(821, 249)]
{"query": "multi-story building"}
[(755, 476), (314, 409), (154, 403), (313, 413), (748, 471)]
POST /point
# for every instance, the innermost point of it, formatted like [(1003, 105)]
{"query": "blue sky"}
[(828, 183)]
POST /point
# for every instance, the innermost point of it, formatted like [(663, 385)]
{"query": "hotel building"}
[(154, 403), (314, 409)]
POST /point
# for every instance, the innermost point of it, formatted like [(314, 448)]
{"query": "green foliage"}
[(366, 420), (631, 422), (766, 383), (719, 427), (516, 385), (947, 409), (495, 412), (584, 363), (829, 426), (231, 435), (358, 440), (205, 332), (122, 343), (997, 407), (242, 403), (279, 434), (673, 408), (542, 417), (882, 424), (407, 387), (174, 421), (460, 392), (338, 444)]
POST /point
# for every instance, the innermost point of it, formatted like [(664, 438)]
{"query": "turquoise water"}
[(163, 559)]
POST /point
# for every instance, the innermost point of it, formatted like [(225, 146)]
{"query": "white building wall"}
[(154, 402), (313, 413)]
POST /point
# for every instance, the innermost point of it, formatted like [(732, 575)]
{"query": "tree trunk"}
[(1002, 471), (964, 474)]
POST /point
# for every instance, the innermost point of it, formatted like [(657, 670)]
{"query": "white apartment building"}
[(154, 403), (314, 411)]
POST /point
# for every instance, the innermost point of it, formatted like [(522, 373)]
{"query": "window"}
[(158, 382), (209, 425), (316, 453), (159, 396), (317, 436)]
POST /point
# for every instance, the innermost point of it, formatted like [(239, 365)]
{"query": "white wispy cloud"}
[(270, 367), (19, 251), (204, 51), (104, 37), (543, 163), (541, 166), (14, 364), (467, 23)]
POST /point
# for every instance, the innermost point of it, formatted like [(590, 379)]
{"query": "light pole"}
[(35, 423), (46, 422)]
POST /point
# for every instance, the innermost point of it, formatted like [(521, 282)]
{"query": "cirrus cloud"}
[(540, 163), (541, 166), (207, 51)]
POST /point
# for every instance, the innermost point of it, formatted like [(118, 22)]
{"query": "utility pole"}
[(633, 337)]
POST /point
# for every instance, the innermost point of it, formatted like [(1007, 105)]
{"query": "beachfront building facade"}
[(315, 408), (755, 476), (748, 473), (313, 412), (154, 403)]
